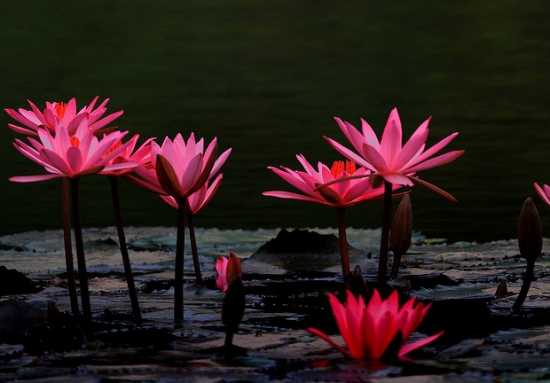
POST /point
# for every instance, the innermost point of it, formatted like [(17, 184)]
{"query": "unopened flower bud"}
[(401, 229), (529, 231)]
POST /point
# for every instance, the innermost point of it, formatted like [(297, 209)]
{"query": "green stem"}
[(124, 252), (178, 277), (194, 251), (342, 235), (65, 201), (385, 239), (82, 274)]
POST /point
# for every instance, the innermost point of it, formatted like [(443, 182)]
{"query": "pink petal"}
[(57, 162), (544, 194), (351, 133), (378, 163), (289, 195), (397, 179), (37, 178), (74, 159), (105, 121), (419, 343), (325, 337), (370, 135), (349, 154), (436, 161), (413, 145), (433, 188), (220, 161), (390, 144), (434, 149)]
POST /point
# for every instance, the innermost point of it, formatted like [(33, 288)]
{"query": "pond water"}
[(483, 341), (267, 79)]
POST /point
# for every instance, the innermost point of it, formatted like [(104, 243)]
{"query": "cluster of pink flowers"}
[(70, 143)]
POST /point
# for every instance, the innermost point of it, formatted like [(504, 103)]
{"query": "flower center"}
[(115, 146), (60, 108), (338, 167), (74, 141)]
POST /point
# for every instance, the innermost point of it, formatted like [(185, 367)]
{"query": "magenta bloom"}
[(58, 114), (141, 156), (199, 199), (369, 330), (179, 168), (342, 194), (388, 158), (72, 156), (227, 269), (543, 192)]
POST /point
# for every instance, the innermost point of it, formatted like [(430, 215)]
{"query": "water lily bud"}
[(358, 285), (376, 180), (529, 231), (401, 229), (234, 266)]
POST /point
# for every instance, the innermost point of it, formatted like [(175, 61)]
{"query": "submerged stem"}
[(124, 252), (385, 239), (194, 251), (342, 235), (178, 275), (65, 201), (82, 274)]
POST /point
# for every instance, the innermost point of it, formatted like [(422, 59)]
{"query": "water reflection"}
[(267, 80)]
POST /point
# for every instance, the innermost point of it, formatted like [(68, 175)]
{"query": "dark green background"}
[(267, 78)]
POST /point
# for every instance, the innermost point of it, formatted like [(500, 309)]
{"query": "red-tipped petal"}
[(326, 338), (419, 343)]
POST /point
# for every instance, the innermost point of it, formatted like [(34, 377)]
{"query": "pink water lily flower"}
[(227, 269), (339, 195), (71, 155), (58, 113), (388, 158), (368, 330), (141, 156), (179, 168), (199, 199), (543, 192)]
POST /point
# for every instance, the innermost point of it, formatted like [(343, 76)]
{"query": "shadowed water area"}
[(285, 294), (267, 79)]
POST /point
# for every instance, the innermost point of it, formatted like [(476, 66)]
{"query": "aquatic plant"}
[(530, 246), (73, 156), (227, 269), (234, 299), (196, 202), (58, 114), (401, 233), (319, 186), (179, 169), (54, 115), (378, 330), (392, 163)]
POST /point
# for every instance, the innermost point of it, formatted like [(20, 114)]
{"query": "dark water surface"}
[(267, 78)]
